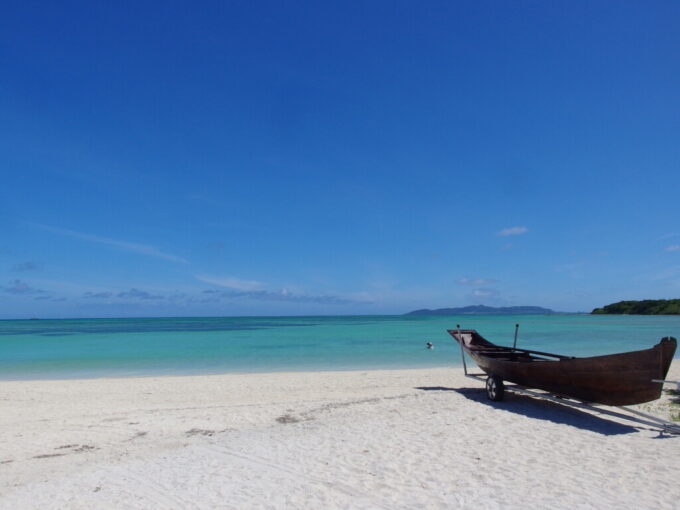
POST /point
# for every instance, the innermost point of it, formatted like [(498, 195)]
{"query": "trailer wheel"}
[(495, 388)]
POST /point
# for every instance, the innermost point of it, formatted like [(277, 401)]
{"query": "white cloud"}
[(486, 296), (276, 295), (513, 231), (483, 293), (142, 249), (230, 282), (674, 247), (257, 291), (476, 282)]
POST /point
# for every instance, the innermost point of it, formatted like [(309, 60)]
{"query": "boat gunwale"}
[(509, 350)]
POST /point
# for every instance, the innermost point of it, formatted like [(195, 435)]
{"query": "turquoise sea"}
[(48, 349)]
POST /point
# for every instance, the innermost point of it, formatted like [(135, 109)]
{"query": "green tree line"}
[(644, 307)]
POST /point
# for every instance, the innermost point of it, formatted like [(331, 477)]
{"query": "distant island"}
[(644, 307), (486, 310)]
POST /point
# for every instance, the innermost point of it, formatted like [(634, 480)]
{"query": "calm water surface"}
[(44, 349)]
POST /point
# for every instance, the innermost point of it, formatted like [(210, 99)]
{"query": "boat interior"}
[(476, 343)]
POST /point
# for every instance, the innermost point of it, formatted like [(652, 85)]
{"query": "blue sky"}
[(255, 158)]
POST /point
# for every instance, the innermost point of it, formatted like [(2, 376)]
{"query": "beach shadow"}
[(544, 410), (435, 388)]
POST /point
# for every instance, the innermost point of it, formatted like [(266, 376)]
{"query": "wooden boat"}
[(614, 379)]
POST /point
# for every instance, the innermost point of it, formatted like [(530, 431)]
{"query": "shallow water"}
[(43, 349)]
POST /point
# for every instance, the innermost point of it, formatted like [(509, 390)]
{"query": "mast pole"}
[(462, 352)]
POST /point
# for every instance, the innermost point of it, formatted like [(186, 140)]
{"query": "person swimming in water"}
[(430, 345)]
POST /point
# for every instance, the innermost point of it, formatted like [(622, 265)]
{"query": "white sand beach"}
[(359, 440)]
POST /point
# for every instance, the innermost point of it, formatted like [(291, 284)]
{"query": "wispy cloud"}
[(666, 274), (476, 282), (485, 296), (25, 266), (513, 231), (253, 290), (560, 268), (674, 247), (217, 295), (483, 293), (280, 295), (137, 294), (98, 295), (132, 294), (141, 249), (230, 282), (19, 287)]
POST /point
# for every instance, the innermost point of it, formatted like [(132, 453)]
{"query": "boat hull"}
[(615, 379)]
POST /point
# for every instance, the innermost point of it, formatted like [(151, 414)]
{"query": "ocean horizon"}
[(152, 346)]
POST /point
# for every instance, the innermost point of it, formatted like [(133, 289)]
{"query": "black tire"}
[(495, 389)]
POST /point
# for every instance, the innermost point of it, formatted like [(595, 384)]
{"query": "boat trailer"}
[(495, 393)]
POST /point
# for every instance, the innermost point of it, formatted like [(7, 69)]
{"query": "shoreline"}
[(236, 373), (455, 364), (343, 439)]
